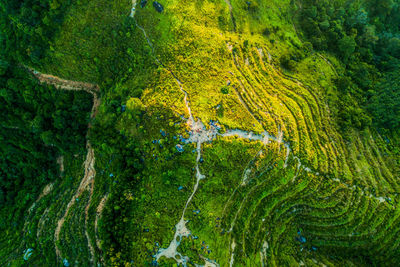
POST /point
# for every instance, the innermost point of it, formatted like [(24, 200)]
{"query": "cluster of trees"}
[(137, 158), (37, 123), (365, 35), (122, 167), (26, 27)]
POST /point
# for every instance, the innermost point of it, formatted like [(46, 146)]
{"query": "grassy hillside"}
[(284, 183)]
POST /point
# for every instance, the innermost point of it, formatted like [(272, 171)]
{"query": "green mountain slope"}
[(221, 133)]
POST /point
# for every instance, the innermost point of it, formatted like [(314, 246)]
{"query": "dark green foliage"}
[(267, 32), (351, 115), (385, 101), (346, 46), (287, 62), (365, 36), (37, 123), (225, 90), (139, 171), (28, 26)]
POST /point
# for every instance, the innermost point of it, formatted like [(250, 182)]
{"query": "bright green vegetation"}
[(320, 76)]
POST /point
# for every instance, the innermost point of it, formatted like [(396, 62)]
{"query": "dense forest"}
[(38, 123), (26, 27), (142, 169), (365, 35), (51, 120)]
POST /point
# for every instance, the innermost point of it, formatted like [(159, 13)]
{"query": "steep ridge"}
[(301, 194), (327, 197), (327, 190), (87, 182)]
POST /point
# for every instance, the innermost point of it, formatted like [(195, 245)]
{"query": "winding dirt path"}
[(87, 182), (99, 212), (63, 84), (46, 190), (228, 2)]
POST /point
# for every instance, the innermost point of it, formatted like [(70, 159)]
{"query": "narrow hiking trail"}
[(46, 191), (63, 84), (228, 2), (99, 212), (69, 85), (87, 182), (199, 134)]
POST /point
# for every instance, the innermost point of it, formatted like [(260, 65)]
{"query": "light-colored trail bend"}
[(87, 182), (63, 84)]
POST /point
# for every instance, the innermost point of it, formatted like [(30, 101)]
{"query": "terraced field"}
[(282, 103), (226, 158), (299, 211), (331, 197)]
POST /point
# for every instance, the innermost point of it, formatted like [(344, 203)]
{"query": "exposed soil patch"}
[(87, 182)]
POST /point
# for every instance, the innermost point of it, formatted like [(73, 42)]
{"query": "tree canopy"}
[(365, 35)]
